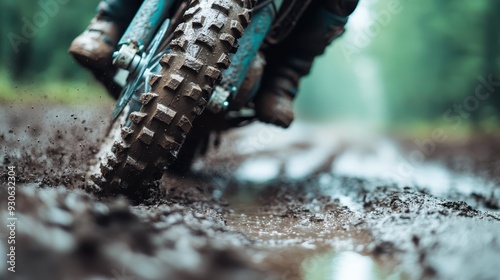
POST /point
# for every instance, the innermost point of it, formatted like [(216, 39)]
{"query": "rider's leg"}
[(93, 49), (292, 59)]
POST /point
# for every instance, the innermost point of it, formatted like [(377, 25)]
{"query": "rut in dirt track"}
[(267, 204)]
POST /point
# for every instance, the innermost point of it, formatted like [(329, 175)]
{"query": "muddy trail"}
[(312, 202)]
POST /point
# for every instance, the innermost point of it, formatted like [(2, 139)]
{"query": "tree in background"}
[(491, 38), (36, 34), (432, 53)]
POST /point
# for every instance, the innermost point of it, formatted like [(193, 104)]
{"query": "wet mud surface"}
[(311, 202)]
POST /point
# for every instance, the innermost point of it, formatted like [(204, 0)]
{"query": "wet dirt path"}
[(312, 202)]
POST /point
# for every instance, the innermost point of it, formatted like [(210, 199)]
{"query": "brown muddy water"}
[(312, 202)]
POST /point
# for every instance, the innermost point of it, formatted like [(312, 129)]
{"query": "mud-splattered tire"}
[(200, 50), (195, 144)]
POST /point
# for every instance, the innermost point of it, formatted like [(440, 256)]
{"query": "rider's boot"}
[(93, 49), (292, 59)]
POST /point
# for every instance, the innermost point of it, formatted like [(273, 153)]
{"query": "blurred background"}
[(402, 64)]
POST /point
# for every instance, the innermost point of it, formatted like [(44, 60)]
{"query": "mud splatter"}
[(234, 219)]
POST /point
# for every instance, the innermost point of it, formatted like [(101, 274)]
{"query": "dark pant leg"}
[(121, 11), (291, 59)]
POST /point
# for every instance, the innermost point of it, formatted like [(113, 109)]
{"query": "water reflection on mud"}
[(345, 265), (308, 242)]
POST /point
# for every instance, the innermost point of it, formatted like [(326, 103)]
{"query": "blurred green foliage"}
[(432, 54), (409, 64), (41, 54), (35, 65), (400, 61)]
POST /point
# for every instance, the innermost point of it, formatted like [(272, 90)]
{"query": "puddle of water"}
[(309, 225), (345, 265), (260, 170), (273, 229), (311, 245)]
